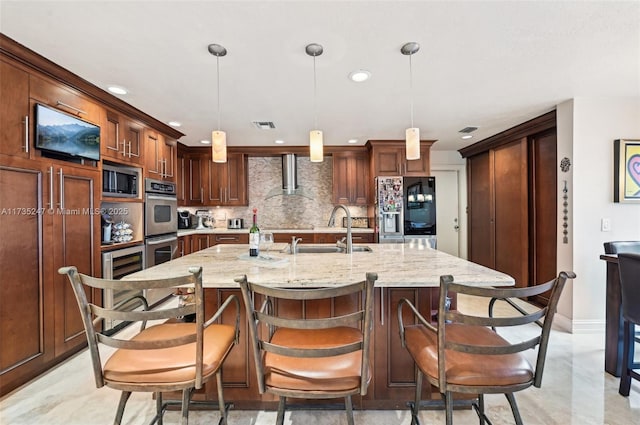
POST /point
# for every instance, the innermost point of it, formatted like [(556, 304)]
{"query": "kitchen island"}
[(408, 270)]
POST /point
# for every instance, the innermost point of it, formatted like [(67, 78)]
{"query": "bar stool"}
[(629, 264)]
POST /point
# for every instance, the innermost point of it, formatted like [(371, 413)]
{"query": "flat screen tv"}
[(65, 134)]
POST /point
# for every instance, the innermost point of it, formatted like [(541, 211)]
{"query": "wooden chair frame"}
[(92, 316), (261, 341), (542, 316)]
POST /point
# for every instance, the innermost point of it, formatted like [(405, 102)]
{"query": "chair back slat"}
[(466, 319), (493, 349), (306, 293), (146, 345), (326, 323), (139, 316), (311, 352)]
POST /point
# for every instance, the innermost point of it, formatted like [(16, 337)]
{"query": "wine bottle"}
[(254, 236)]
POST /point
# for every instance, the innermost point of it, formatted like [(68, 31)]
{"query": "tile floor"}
[(575, 391)]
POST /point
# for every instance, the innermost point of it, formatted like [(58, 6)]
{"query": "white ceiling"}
[(488, 64)]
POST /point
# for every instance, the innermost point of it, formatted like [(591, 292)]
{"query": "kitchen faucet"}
[(332, 221), (294, 244)]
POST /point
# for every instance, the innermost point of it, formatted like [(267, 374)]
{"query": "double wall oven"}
[(160, 228)]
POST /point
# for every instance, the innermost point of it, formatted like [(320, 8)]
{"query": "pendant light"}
[(218, 137), (315, 136), (412, 135)]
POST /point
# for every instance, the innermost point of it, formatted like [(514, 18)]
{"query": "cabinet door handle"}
[(50, 187), (61, 190), (382, 306), (220, 194), (79, 111), (202, 194), (124, 147), (129, 148), (226, 238), (26, 133)]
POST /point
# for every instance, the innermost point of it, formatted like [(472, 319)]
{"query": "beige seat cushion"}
[(338, 373), (169, 365), (467, 369)]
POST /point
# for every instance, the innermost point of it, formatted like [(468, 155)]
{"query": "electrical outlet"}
[(605, 225)]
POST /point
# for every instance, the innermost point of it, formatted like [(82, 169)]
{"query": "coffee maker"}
[(184, 220)]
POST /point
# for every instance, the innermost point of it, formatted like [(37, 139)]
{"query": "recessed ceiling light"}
[(117, 90), (205, 142), (359, 75), (174, 124), (467, 136), (279, 142), (352, 141)]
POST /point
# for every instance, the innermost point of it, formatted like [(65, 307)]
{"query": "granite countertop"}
[(319, 229), (397, 265)]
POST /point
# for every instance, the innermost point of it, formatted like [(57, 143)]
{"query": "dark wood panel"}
[(481, 249), (543, 223), (236, 180), (74, 231), (511, 211), (14, 92), (26, 308)]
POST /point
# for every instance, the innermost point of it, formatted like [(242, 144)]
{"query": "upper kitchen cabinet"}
[(121, 138), (389, 158), (14, 111), (65, 99), (160, 156), (207, 183), (351, 177), (227, 185)]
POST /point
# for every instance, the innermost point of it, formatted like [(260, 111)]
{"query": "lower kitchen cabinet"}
[(47, 221), (335, 237)]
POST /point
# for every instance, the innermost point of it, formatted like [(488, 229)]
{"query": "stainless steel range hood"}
[(290, 185)]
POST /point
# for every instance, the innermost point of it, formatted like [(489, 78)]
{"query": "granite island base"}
[(404, 271)]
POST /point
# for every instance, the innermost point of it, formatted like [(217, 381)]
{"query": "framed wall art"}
[(626, 170)]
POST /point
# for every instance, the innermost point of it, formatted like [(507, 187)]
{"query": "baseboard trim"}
[(565, 324)]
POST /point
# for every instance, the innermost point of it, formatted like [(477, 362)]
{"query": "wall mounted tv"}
[(61, 133)]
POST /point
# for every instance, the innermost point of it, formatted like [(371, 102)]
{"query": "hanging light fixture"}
[(315, 136), (218, 138), (412, 135)]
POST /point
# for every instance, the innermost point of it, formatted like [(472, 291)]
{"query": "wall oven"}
[(160, 208), (115, 265), (160, 229)]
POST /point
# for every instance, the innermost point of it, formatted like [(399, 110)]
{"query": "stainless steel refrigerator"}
[(406, 210)]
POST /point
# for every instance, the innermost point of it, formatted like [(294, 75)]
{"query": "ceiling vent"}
[(468, 130), (264, 125)]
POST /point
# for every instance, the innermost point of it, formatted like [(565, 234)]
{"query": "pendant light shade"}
[(315, 136), (316, 153), (413, 143), (412, 135), (218, 146), (218, 137)]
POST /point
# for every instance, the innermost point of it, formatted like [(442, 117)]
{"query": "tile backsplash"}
[(285, 211)]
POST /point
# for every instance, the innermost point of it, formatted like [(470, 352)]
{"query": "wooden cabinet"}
[(49, 208), (512, 201), (227, 183), (15, 115), (351, 177), (388, 158), (206, 183), (121, 138), (184, 246), (238, 238), (286, 237), (160, 156)]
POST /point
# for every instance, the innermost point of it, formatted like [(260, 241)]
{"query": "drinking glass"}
[(266, 240)]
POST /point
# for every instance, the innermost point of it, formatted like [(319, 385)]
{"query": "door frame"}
[(461, 172)]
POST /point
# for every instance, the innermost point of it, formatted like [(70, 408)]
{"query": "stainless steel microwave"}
[(120, 181)]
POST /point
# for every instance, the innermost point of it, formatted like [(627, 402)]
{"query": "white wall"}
[(587, 128)]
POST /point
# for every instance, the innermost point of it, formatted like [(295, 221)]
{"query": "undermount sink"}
[(321, 249)]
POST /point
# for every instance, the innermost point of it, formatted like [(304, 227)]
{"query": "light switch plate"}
[(605, 225)]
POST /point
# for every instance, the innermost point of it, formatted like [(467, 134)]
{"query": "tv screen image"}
[(59, 132)]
